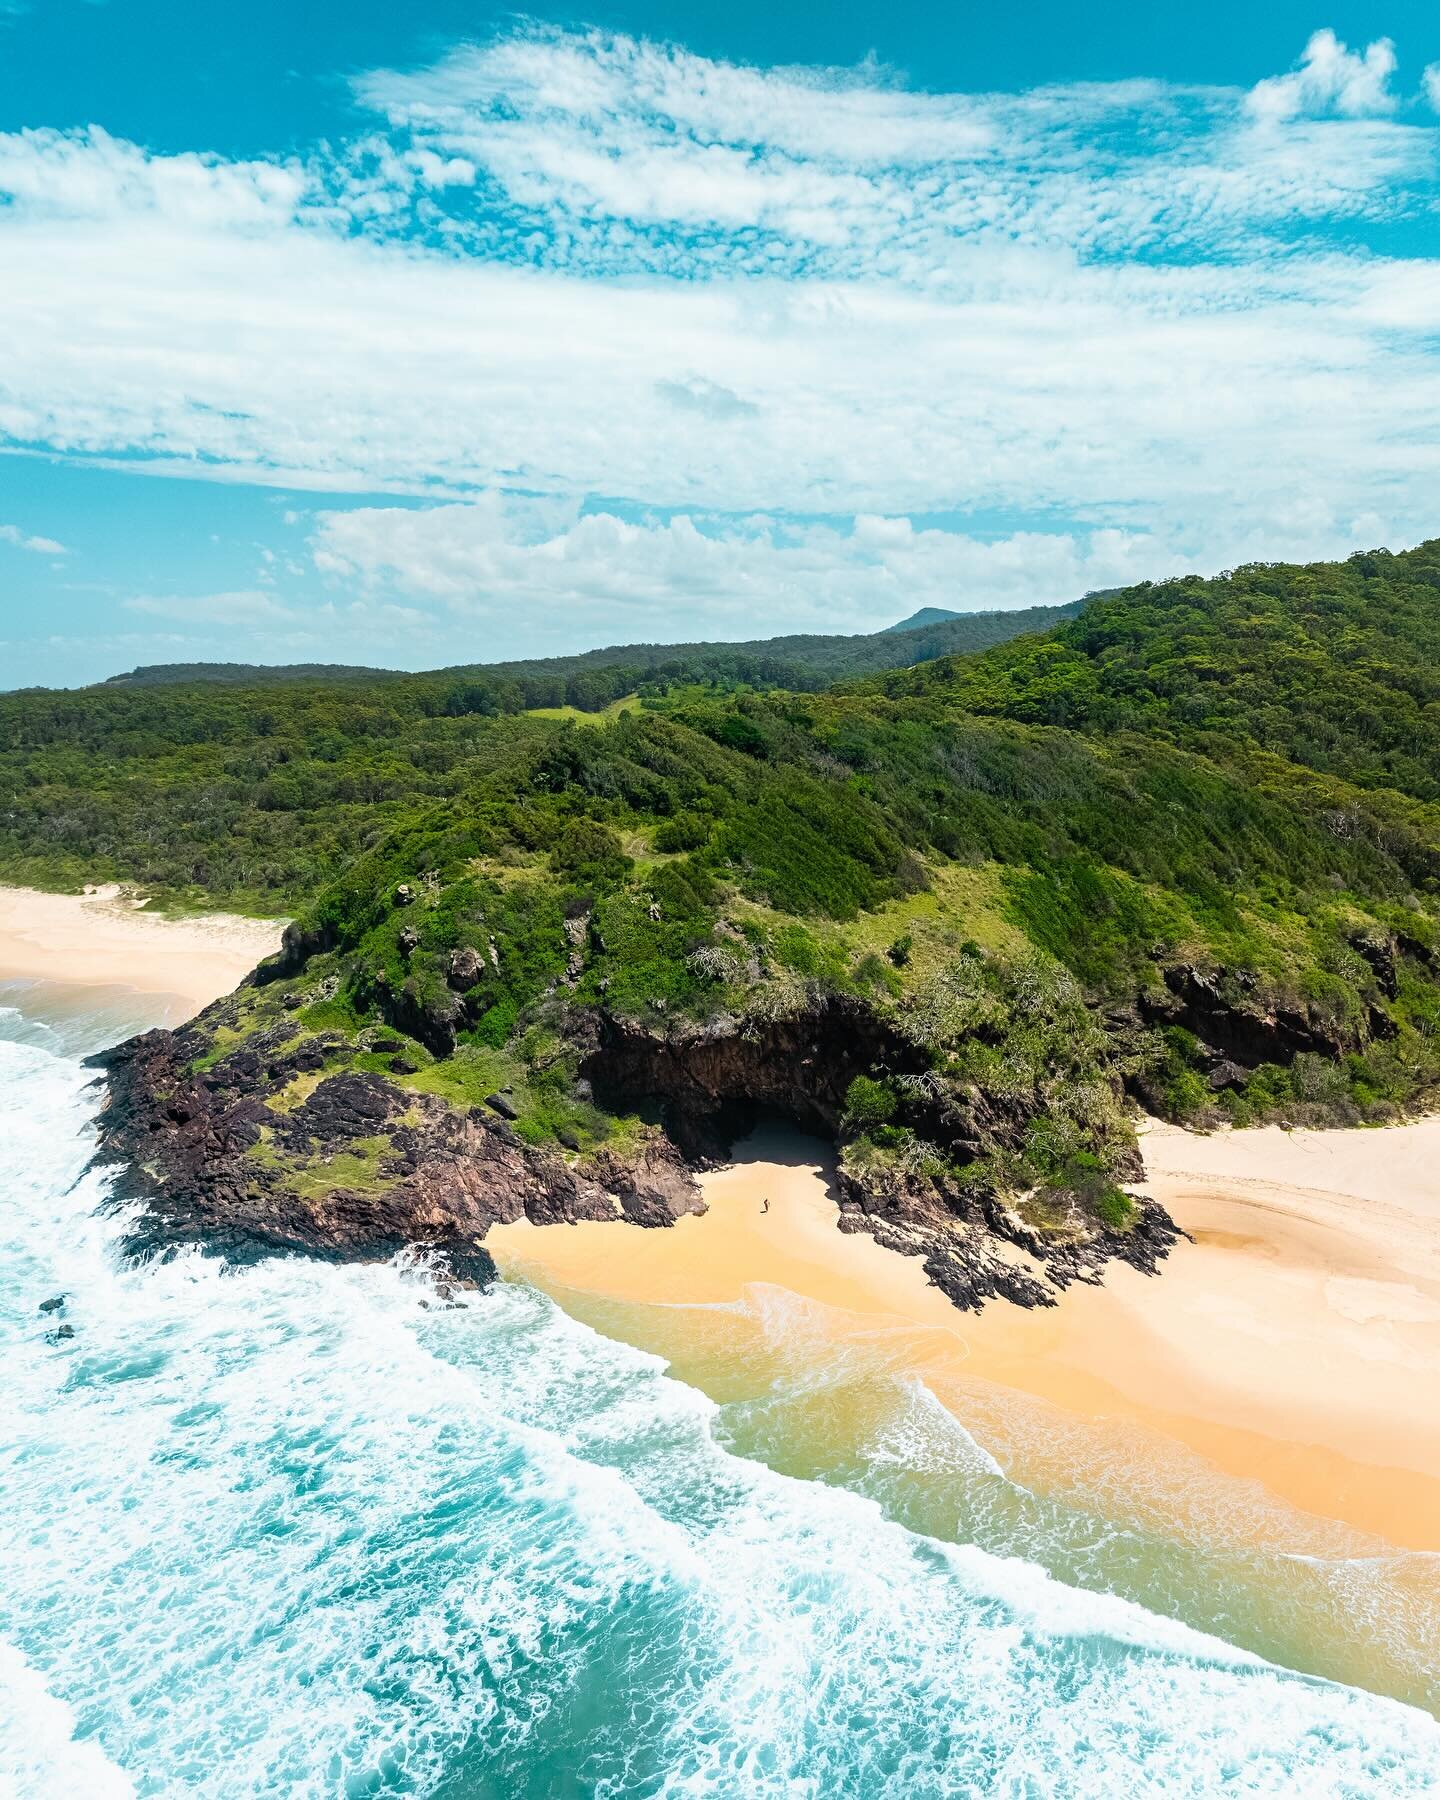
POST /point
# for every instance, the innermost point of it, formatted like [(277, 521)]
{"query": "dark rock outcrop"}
[(1242, 1027), (298, 943), (187, 1146), (975, 1249), (1379, 951), (800, 1066), (240, 1157)]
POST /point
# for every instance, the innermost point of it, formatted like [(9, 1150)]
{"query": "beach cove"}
[(108, 944), (1266, 1396), (1127, 1442)]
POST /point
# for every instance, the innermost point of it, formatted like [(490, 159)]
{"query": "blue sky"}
[(414, 336)]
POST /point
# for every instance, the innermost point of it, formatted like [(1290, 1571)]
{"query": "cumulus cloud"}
[(579, 266), (508, 574), (1330, 78), (22, 540), (1430, 84), (90, 175), (742, 577)]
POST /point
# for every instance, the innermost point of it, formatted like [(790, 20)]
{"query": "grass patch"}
[(357, 1167), (223, 1040), (467, 1076), (1116, 1210), (626, 703)]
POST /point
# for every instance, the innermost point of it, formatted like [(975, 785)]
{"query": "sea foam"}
[(304, 1530)]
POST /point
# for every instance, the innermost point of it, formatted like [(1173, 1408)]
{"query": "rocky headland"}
[(251, 1133), (476, 1051)]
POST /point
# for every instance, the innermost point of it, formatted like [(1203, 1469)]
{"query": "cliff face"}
[(282, 1145)]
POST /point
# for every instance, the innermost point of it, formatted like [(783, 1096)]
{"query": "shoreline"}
[(1295, 1343), (102, 941), (1292, 1341)]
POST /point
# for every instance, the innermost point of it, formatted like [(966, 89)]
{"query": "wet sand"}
[(1294, 1343), (101, 941)]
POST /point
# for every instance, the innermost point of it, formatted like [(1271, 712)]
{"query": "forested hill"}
[(1187, 847), (1333, 666), (927, 615), (239, 674), (591, 679)]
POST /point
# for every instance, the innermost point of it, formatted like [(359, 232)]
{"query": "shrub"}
[(686, 831), (1115, 1208), (588, 851), (869, 1104)]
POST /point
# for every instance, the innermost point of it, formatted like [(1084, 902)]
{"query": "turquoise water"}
[(300, 1530)]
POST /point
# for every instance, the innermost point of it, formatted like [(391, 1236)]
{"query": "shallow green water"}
[(304, 1530)]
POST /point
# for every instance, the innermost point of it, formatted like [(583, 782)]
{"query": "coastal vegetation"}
[(1182, 849)]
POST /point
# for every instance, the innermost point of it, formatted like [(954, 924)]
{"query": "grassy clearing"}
[(963, 902), (626, 703), (467, 1076)]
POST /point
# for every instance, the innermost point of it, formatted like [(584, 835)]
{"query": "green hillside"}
[(1183, 848), (926, 615)]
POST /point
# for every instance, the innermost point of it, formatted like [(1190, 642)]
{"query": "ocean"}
[(301, 1530)]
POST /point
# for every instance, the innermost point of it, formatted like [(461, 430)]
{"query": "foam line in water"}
[(925, 1436), (299, 1530)]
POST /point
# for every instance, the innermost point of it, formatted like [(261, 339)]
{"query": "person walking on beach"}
[(766, 1206)]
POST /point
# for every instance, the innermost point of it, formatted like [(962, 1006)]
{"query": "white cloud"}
[(612, 152), (513, 577), (12, 534), (1330, 78), (91, 175), (845, 116), (1430, 84), (1037, 382), (580, 266)]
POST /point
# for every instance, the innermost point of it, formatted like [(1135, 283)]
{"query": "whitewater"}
[(303, 1530)]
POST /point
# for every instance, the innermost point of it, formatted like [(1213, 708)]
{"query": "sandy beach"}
[(102, 940), (1295, 1342)]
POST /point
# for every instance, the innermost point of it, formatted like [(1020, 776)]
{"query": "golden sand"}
[(1295, 1342), (102, 939)]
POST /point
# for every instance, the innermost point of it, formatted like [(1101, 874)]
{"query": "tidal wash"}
[(309, 1530)]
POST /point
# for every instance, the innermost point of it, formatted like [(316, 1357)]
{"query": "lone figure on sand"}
[(765, 1207)]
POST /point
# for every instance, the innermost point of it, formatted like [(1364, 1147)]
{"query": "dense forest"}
[(1184, 845), (246, 784)]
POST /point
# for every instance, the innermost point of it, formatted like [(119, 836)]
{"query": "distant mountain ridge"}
[(239, 674), (804, 661), (927, 615)]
